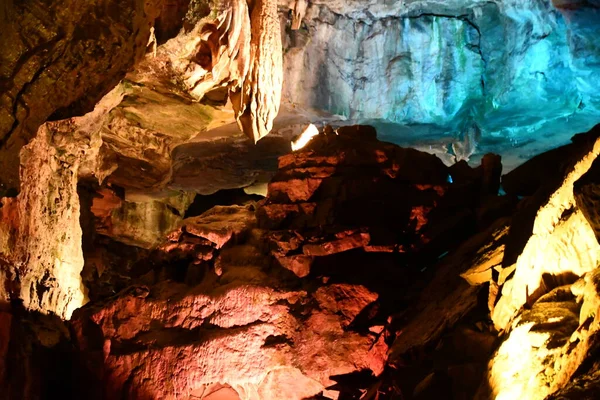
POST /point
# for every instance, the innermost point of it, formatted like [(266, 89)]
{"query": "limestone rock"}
[(238, 47), (59, 60), (240, 335), (46, 254), (345, 61), (550, 348), (489, 256), (524, 364), (448, 297), (299, 264), (584, 387), (586, 195), (256, 102), (220, 224), (348, 190), (141, 221), (559, 231)]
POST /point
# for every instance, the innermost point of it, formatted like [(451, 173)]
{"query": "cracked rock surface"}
[(57, 60)]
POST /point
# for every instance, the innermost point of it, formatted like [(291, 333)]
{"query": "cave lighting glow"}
[(305, 137)]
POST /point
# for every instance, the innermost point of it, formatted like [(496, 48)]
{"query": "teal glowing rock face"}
[(508, 66)]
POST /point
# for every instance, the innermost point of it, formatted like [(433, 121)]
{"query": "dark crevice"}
[(18, 97), (224, 197)]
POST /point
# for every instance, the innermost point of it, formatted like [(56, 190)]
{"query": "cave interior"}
[(300, 199)]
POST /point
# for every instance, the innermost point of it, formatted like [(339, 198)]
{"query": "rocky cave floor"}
[(368, 271)]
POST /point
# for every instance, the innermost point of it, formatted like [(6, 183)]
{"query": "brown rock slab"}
[(221, 223), (489, 256), (59, 59), (299, 264), (448, 297), (346, 243)]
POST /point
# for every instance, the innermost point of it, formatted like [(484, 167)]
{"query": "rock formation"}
[(240, 50), (504, 65), (59, 60), (154, 251)]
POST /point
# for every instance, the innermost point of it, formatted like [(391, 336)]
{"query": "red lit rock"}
[(240, 335), (219, 225), (344, 243), (299, 264), (347, 300)]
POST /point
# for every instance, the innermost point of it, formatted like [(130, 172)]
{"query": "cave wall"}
[(502, 64), (57, 59)]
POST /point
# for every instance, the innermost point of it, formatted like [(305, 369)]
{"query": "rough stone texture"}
[(505, 66), (219, 225), (256, 103), (524, 365), (349, 191), (141, 221), (585, 387), (45, 252), (139, 133), (548, 300), (587, 196), (448, 297), (550, 235), (59, 59), (550, 347), (237, 48), (244, 329)]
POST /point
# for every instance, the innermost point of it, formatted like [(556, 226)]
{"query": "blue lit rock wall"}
[(584, 44), (503, 64)]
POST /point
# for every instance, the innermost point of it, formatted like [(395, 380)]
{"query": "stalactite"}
[(257, 103)]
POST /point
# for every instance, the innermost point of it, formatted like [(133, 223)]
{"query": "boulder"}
[(175, 340)]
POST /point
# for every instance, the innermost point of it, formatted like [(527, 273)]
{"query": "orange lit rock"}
[(349, 242), (244, 336), (299, 264), (347, 300), (220, 224)]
